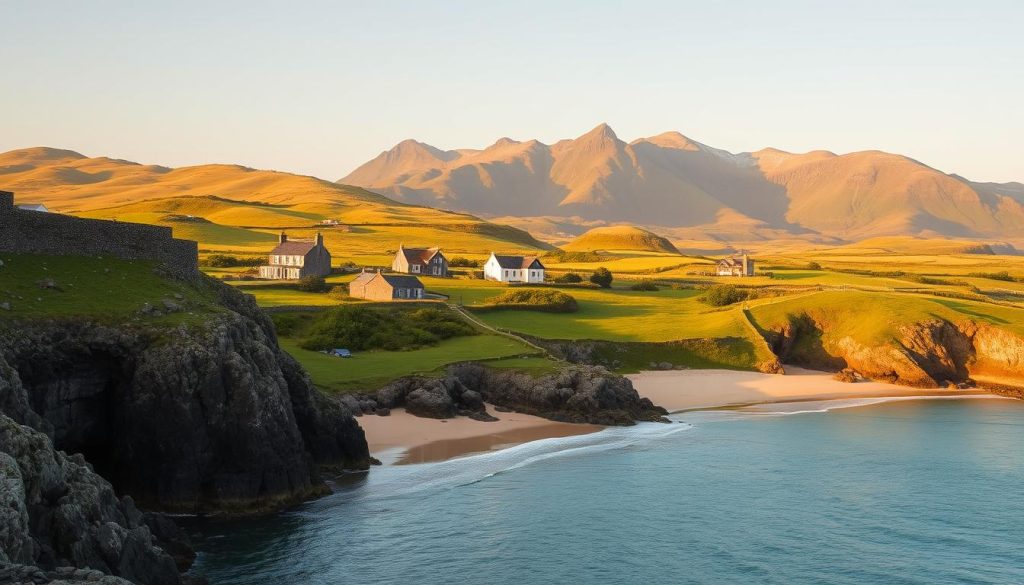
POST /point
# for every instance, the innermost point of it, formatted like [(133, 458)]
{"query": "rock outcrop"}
[(205, 417), (929, 354), (61, 522), (578, 394)]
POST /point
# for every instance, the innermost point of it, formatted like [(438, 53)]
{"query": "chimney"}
[(319, 239), (282, 238)]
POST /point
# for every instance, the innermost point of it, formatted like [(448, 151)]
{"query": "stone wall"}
[(34, 232)]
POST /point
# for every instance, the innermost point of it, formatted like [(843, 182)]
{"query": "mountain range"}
[(690, 189)]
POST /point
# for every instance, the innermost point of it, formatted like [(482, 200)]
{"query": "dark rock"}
[(383, 412), (432, 401), (482, 417), (87, 526), (206, 418)]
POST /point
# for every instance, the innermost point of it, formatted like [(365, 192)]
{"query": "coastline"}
[(681, 390), (401, 438)]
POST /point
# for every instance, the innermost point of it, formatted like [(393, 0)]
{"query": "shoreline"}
[(402, 439)]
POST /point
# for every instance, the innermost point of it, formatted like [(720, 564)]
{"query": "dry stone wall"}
[(34, 232)]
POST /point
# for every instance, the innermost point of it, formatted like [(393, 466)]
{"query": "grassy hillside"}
[(228, 208), (620, 238)]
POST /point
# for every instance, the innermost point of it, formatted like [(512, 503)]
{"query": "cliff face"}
[(927, 354), (60, 522), (206, 418)]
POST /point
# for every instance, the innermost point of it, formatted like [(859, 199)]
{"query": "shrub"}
[(813, 266), (460, 262), (721, 295), (561, 256), (646, 285), (602, 277), (1004, 275), (313, 284), (361, 328), (225, 261), (547, 300), (569, 278)]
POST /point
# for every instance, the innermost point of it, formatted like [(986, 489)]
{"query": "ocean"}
[(856, 491)]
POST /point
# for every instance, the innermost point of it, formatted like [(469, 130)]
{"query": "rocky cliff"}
[(927, 354), (193, 418), (62, 523)]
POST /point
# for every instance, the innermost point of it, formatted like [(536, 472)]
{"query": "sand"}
[(694, 389), (402, 438)]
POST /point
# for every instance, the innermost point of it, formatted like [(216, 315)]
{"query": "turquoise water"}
[(919, 491)]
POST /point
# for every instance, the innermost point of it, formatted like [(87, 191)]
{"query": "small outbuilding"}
[(377, 286)]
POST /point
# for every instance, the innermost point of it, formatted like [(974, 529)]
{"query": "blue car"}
[(342, 353)]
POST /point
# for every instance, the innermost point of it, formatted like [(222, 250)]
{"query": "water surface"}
[(908, 491)]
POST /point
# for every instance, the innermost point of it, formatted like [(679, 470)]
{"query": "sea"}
[(914, 491)]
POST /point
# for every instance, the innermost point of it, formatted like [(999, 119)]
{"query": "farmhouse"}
[(741, 265), (377, 286), (429, 261), (295, 259), (514, 268)]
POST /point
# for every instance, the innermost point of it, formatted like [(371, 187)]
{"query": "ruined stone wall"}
[(34, 232)]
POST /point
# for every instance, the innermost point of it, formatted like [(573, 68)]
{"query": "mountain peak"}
[(43, 153), (601, 131), (410, 148)]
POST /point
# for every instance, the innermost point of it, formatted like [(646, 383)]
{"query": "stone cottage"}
[(428, 261), (295, 259), (377, 286)]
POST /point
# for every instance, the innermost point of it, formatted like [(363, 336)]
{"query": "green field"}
[(92, 286), (372, 369)]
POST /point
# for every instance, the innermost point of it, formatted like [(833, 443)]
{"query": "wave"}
[(820, 406)]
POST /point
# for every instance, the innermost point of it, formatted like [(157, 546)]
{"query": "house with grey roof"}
[(504, 268), (295, 259), (428, 261), (377, 286)]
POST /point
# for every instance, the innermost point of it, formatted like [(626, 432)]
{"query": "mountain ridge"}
[(671, 180)]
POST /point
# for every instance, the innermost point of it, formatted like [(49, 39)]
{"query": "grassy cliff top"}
[(37, 286)]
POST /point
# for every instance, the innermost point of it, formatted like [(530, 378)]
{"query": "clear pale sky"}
[(321, 87)]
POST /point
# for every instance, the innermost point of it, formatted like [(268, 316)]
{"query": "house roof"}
[(420, 255), (731, 261), (517, 262), (395, 280), (293, 248), (402, 281)]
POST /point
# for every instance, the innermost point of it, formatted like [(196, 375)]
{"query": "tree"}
[(314, 284), (602, 277)]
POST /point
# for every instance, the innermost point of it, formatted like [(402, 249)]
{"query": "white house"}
[(514, 269), (33, 207)]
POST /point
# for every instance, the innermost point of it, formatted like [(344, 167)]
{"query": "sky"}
[(321, 87)]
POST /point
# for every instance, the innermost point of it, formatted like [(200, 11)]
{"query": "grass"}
[(372, 369), (92, 286)]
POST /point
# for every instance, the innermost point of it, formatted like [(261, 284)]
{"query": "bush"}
[(569, 278), (813, 266), (225, 261), (547, 300), (561, 256), (721, 295), (361, 328), (1004, 276), (460, 262), (602, 277), (646, 285), (313, 284)]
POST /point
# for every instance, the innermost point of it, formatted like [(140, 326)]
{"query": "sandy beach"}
[(402, 438), (694, 389)]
